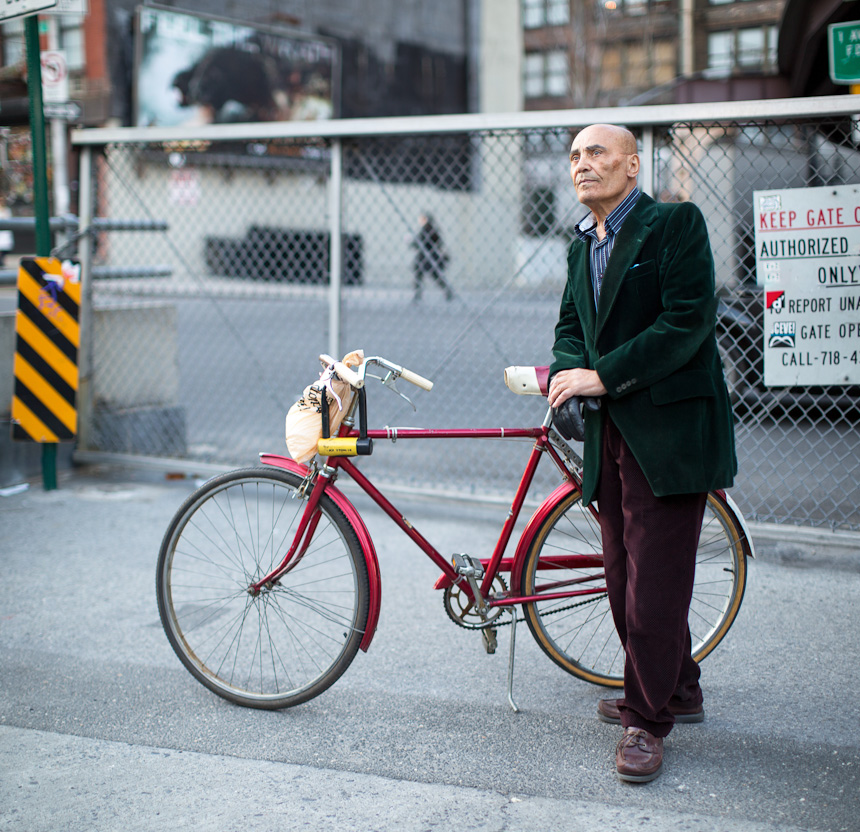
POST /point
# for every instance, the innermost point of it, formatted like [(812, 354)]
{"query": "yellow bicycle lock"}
[(360, 445)]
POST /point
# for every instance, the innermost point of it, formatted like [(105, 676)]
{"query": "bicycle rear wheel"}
[(578, 633), (289, 642)]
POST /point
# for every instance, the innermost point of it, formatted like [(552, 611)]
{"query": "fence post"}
[(85, 248), (335, 209), (647, 166)]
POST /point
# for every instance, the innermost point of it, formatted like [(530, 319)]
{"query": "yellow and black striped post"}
[(47, 327)]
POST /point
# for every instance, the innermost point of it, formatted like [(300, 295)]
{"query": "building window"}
[(751, 47), (631, 65), (546, 74), (537, 13), (744, 49), (635, 6), (72, 40), (538, 212), (611, 69), (13, 42), (665, 61), (721, 50)]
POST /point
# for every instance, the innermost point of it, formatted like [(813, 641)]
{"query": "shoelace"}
[(635, 737)]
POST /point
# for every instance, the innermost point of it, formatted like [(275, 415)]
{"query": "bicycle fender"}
[(531, 529), (747, 541), (364, 540)]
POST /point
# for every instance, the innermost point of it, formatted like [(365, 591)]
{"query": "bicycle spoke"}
[(580, 637), (287, 642)]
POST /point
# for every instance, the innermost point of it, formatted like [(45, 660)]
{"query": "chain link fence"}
[(206, 333)]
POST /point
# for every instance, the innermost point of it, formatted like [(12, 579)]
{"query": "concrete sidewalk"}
[(102, 729)]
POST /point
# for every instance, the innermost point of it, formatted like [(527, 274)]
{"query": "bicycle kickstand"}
[(511, 702)]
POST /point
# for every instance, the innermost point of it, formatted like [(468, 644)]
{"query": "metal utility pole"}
[(40, 192)]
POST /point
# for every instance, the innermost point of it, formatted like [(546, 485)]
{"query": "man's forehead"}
[(600, 137)]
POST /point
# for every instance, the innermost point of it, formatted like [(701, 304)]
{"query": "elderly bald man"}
[(637, 329)]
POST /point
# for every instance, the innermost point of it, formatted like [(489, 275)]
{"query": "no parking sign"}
[(55, 77)]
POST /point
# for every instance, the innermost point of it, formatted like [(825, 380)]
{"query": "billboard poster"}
[(193, 69), (807, 244)]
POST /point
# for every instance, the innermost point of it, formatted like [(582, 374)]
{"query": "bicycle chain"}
[(497, 623)]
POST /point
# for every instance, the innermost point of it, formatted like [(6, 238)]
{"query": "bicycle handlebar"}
[(414, 378), (349, 376), (356, 379)]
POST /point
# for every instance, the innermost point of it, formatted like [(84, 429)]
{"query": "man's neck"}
[(601, 212)]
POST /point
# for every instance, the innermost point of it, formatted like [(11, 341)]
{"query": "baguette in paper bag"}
[(304, 419)]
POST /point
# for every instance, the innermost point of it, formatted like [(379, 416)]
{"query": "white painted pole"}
[(335, 210)]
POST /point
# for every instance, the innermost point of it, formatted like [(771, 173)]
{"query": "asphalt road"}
[(102, 729)]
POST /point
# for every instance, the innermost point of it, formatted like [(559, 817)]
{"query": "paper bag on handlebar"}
[(304, 419)]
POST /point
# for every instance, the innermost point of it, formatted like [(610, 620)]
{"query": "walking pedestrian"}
[(431, 257)]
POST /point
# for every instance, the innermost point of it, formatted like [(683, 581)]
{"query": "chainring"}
[(462, 611)]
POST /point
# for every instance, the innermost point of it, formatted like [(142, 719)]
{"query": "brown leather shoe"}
[(638, 756), (607, 711)]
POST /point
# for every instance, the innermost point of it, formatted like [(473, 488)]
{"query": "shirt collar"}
[(585, 227)]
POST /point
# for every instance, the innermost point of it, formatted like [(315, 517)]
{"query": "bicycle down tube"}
[(495, 562)]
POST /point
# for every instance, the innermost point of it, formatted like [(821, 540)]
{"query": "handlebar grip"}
[(414, 378), (349, 376)]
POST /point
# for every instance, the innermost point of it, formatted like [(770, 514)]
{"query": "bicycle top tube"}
[(523, 380)]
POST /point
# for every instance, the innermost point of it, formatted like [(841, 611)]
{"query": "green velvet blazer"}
[(652, 342)]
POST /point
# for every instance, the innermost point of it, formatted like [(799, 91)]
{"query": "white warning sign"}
[(808, 264)]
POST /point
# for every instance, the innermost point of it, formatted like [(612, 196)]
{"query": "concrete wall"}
[(138, 400)]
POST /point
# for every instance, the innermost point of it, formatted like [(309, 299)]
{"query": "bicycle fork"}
[(304, 534)]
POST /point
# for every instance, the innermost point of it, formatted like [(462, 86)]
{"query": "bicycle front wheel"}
[(578, 633), (287, 643)]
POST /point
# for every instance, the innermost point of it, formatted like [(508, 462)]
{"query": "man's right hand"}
[(576, 382)]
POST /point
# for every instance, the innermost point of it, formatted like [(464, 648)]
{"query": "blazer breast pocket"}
[(642, 287), (641, 271)]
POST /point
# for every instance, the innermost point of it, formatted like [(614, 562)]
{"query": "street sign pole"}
[(40, 193)]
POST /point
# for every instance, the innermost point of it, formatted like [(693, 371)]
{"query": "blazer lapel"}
[(579, 263), (631, 238)]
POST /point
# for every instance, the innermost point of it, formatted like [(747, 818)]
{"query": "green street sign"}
[(844, 45)]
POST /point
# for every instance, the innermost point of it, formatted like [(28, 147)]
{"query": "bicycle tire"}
[(579, 634), (289, 642)]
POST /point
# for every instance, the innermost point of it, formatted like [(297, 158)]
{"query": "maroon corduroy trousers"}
[(649, 551)]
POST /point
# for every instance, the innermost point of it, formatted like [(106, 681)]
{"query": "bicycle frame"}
[(556, 573), (496, 563)]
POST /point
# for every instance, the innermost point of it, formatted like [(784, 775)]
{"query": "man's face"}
[(603, 167)]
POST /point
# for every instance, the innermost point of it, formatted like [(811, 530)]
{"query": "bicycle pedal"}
[(468, 566), (488, 636)]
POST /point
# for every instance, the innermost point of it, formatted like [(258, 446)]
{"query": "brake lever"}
[(388, 382)]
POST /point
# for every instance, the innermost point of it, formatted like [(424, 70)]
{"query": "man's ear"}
[(633, 165)]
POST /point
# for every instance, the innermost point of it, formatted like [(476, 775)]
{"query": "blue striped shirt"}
[(600, 250)]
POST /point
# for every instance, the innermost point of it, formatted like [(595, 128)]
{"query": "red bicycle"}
[(268, 582)]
